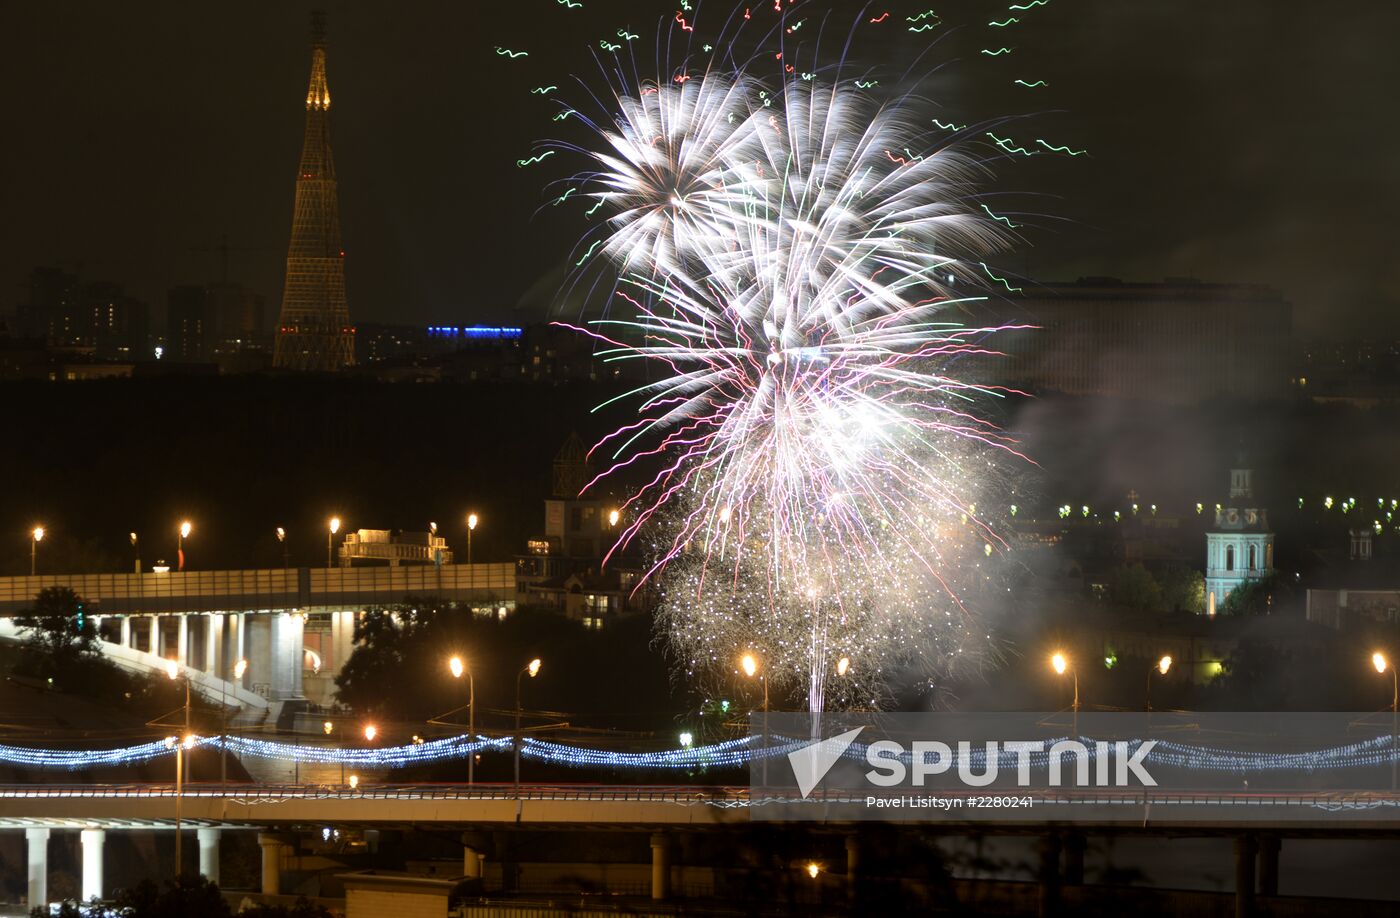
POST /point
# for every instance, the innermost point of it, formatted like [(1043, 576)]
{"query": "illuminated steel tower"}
[(314, 331)]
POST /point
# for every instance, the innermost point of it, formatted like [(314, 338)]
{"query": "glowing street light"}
[(239, 669), (1062, 664), (813, 869), (1163, 665), (613, 517), (472, 520), (332, 527), (371, 731), (35, 538), (459, 669), (172, 669), (1379, 661), (749, 664), (533, 669), (185, 528), (136, 550), (687, 739), (282, 540)]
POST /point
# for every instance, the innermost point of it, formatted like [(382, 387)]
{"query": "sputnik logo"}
[(811, 763)]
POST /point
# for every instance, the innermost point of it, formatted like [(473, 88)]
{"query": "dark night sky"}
[(1240, 141)]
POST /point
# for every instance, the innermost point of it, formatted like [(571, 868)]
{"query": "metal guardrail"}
[(680, 794)]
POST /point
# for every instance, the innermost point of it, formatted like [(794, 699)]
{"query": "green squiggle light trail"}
[(998, 218), (506, 52), (594, 208), (1007, 144), (924, 28), (1056, 149), (596, 243), (1030, 6), (522, 163), (1032, 85), (564, 114), (950, 126), (1002, 25), (542, 90), (924, 15), (866, 84), (564, 197), (997, 53), (608, 46), (1000, 280)]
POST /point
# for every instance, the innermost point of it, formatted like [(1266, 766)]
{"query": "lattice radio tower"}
[(314, 331)]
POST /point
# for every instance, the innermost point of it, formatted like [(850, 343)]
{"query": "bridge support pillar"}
[(125, 639), (660, 867), (182, 641), (1049, 876), (211, 663), (1269, 846), (852, 866), (209, 853), (1074, 859), (38, 844), (155, 635), (471, 863), (272, 848), (1246, 850), (93, 841)]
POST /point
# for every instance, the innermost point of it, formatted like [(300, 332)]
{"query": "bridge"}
[(279, 812), (294, 626)]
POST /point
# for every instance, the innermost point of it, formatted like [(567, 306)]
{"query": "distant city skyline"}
[(138, 141)]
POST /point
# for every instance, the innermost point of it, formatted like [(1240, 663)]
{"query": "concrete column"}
[(660, 868), (211, 646), (155, 635), (125, 639), (182, 641), (1074, 860), (1049, 876), (471, 863), (852, 866), (272, 846), (93, 841), (38, 844), (238, 639), (1246, 850), (288, 652), (209, 853), (342, 639), (1269, 846)]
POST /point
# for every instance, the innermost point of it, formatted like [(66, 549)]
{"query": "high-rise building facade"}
[(314, 330)]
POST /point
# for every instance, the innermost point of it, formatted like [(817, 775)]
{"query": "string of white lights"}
[(734, 753)]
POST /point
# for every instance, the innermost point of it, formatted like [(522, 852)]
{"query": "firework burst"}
[(803, 279)]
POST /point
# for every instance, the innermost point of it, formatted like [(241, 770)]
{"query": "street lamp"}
[(282, 539), (185, 528), (35, 538), (332, 527), (1060, 663), (749, 664), (172, 669), (136, 550), (533, 668), (472, 520), (371, 731), (460, 669), (1379, 661), (1162, 666), (239, 669), (613, 517)]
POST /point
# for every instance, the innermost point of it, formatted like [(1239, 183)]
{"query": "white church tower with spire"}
[(1240, 546)]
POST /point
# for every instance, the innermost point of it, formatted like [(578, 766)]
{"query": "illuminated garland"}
[(734, 753)]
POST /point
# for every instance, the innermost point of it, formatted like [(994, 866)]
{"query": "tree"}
[(1255, 596), (1133, 586), (1183, 590), (58, 623)]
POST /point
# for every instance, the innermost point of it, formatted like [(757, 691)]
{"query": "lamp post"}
[(1061, 663), (1162, 666), (1379, 661), (533, 668), (184, 531), (749, 664), (135, 550), (472, 520), (332, 527), (460, 669), (328, 727), (239, 669), (282, 538), (172, 669), (35, 538)]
